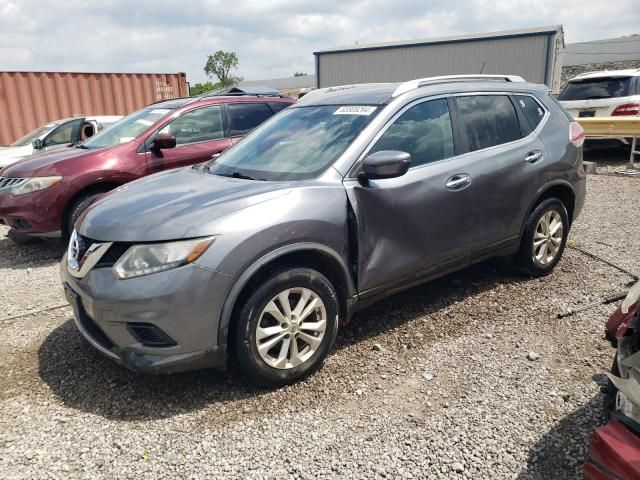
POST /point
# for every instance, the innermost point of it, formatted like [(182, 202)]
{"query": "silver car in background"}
[(55, 134), (349, 196)]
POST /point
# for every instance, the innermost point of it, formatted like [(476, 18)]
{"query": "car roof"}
[(633, 72), (383, 93), (214, 99)]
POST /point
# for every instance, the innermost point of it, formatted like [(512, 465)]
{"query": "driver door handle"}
[(533, 157), (458, 182)]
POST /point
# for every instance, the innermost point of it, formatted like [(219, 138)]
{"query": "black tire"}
[(22, 239), (525, 258), (243, 342), (77, 208)]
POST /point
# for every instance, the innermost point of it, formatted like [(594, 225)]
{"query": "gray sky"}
[(272, 38)]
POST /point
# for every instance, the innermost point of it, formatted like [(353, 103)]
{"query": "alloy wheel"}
[(547, 238), (291, 328)]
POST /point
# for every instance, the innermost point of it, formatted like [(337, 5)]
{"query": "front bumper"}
[(37, 213), (184, 304), (614, 453)]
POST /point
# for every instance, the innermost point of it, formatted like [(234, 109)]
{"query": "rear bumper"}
[(37, 213), (614, 453)]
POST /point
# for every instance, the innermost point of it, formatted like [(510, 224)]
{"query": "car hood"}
[(44, 163), (9, 155), (171, 205)]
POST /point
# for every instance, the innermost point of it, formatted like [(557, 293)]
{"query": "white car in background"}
[(609, 93), (54, 134)]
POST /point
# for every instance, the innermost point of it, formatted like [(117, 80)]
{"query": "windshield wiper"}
[(79, 145), (234, 175)]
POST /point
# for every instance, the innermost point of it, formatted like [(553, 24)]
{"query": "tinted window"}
[(277, 106), (66, 133), (531, 109), (199, 125), (488, 120), (424, 131), (596, 88), (244, 117), (297, 144)]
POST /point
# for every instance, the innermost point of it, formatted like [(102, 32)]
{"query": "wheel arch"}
[(311, 255), (99, 187), (560, 189)]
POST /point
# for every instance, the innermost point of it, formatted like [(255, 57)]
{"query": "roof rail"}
[(420, 82)]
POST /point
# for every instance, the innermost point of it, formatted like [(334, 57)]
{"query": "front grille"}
[(110, 257), (8, 182), (114, 253), (149, 335)]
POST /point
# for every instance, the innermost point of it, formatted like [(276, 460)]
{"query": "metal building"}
[(620, 49), (532, 53)]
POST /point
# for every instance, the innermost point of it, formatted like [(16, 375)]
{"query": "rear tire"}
[(22, 239), (77, 208), (286, 327), (544, 238)]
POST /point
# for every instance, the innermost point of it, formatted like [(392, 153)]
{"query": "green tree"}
[(200, 88), (219, 65)]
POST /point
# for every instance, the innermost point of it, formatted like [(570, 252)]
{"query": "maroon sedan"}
[(614, 452), (43, 195)]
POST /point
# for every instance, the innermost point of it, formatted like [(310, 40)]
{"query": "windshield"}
[(31, 136), (296, 144), (127, 128), (595, 88)]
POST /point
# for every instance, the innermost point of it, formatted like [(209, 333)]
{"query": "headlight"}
[(34, 184), (631, 298), (145, 259)]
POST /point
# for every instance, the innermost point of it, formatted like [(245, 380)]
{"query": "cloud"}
[(272, 38)]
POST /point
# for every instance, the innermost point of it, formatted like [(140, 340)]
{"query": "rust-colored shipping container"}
[(31, 99)]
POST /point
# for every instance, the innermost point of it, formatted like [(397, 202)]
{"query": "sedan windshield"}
[(297, 144), (127, 128), (595, 88), (31, 136)]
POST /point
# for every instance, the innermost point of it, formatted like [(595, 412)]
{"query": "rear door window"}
[(244, 117), (533, 111), (595, 88), (423, 130), (488, 120), (277, 106)]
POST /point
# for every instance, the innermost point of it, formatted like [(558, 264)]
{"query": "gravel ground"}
[(470, 376)]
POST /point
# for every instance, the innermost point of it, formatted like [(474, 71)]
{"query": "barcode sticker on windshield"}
[(355, 110)]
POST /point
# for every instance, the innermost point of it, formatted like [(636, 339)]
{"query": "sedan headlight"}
[(632, 297), (151, 258), (34, 184)]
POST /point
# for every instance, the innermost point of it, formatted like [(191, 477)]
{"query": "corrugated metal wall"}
[(31, 99), (524, 55)]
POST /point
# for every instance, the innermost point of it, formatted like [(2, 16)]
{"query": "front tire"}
[(77, 208), (286, 328), (544, 239)]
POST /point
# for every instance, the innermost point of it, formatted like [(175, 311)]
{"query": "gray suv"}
[(349, 196)]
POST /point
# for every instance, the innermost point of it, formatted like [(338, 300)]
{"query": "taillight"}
[(626, 109), (576, 134)]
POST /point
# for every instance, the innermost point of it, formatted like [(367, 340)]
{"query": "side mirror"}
[(163, 141), (385, 164), (37, 144)]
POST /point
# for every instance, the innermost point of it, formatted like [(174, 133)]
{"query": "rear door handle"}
[(533, 157), (458, 182)]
